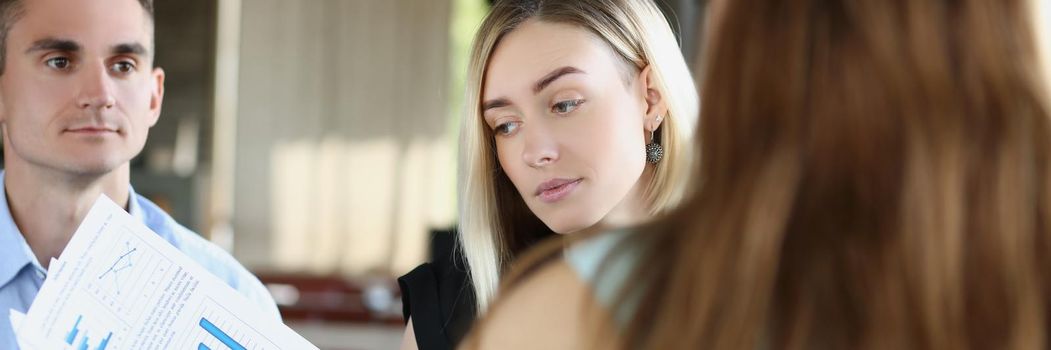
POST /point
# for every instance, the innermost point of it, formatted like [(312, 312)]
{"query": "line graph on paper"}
[(128, 273), (121, 263)]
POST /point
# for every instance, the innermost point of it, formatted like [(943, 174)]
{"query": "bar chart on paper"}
[(218, 329), (81, 337)]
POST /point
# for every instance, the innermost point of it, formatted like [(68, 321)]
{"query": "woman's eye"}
[(507, 128), (60, 63), (566, 106)]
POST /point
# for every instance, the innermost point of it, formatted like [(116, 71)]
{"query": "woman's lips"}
[(556, 189)]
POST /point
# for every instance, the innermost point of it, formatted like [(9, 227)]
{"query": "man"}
[(78, 95)]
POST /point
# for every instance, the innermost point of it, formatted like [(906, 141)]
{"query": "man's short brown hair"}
[(12, 10)]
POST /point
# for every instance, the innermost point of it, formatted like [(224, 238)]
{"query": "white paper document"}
[(119, 286), (16, 318), (16, 321)]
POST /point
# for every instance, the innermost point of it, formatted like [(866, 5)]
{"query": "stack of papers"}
[(118, 285)]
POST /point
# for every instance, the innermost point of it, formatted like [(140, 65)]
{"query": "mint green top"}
[(606, 275)]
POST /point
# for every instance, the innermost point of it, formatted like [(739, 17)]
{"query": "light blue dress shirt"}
[(21, 274)]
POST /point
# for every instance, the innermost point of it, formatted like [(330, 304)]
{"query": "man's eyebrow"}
[(130, 49), (54, 44)]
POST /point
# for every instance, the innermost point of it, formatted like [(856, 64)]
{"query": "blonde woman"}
[(885, 185), (581, 116)]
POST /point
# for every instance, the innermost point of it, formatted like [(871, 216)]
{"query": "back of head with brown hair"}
[(874, 174)]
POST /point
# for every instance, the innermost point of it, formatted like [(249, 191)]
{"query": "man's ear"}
[(656, 108), (156, 95), (3, 111)]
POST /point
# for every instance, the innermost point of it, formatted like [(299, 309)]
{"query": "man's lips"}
[(91, 130)]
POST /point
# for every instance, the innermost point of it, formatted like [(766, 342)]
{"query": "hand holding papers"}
[(118, 285)]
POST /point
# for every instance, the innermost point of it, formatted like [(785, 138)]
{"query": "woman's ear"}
[(656, 108)]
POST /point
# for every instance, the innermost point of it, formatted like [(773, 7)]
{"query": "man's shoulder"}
[(209, 255), (189, 242)]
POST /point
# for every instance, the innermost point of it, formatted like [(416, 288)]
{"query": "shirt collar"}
[(14, 251), (134, 208)]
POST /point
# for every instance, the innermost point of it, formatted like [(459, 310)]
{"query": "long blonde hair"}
[(885, 185), (495, 223)]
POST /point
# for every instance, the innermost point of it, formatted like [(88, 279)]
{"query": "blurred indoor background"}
[(316, 140)]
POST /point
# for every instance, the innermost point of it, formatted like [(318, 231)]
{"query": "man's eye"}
[(60, 63), (123, 67)]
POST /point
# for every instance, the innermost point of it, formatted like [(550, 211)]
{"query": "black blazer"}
[(439, 297)]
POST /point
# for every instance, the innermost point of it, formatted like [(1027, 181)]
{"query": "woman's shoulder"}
[(438, 296), (556, 297), (544, 310), (436, 284)]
